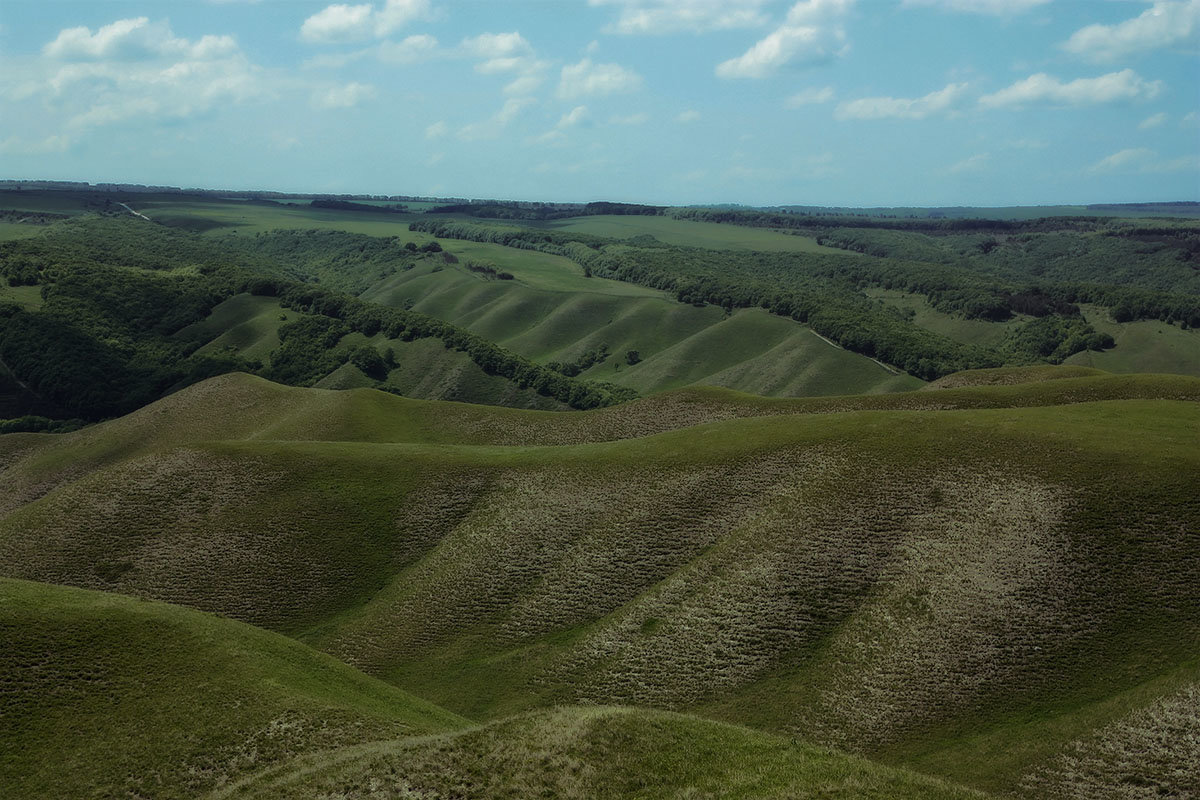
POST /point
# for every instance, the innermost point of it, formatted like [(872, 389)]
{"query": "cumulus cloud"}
[(437, 130), (640, 118), (410, 50), (587, 78), (494, 125), (1152, 121), (994, 7), (902, 107), (346, 96), (342, 22), (1123, 86), (131, 40), (973, 163), (656, 17), (496, 45), (691, 115), (1141, 159), (810, 34), (1162, 25), (573, 118), (810, 96)]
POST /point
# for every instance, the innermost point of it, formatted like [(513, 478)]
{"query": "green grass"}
[(679, 344), (107, 696), (10, 231), (918, 586), (245, 324), (960, 329), (1142, 346), (576, 753), (24, 296), (712, 235)]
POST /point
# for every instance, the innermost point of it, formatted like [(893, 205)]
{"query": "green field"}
[(1142, 346), (691, 234), (815, 572), (679, 344), (960, 329)]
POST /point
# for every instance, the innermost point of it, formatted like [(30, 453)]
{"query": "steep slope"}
[(105, 696), (925, 587)]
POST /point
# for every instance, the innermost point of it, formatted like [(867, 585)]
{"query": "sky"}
[(759, 102)]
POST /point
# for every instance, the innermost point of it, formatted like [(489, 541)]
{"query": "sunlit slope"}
[(976, 592), (105, 696), (600, 753), (678, 344), (248, 326)]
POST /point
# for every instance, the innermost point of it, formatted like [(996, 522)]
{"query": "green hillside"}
[(678, 344), (107, 696), (577, 753), (989, 594)]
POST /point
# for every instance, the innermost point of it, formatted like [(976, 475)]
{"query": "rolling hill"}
[(999, 588)]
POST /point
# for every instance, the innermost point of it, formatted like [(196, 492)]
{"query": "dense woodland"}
[(117, 292)]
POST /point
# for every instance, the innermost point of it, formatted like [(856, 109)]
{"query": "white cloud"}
[(1152, 121), (17, 145), (527, 83), (631, 119), (973, 163), (1122, 159), (902, 107), (132, 40), (410, 50), (1190, 119), (1162, 25), (339, 23), (1143, 160), (572, 118), (342, 22), (811, 34), (691, 115), (494, 125), (586, 78), (656, 17), (1041, 88), (809, 96), (995, 7), (437, 130), (346, 96), (496, 45)]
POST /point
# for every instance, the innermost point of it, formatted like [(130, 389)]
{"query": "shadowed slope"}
[(107, 696)]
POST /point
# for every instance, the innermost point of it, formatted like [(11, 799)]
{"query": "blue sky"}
[(821, 102)]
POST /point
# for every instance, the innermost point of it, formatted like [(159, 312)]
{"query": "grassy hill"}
[(678, 344), (997, 595), (106, 696), (598, 752)]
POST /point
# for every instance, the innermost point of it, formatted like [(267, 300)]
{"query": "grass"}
[(968, 331), (576, 753), (246, 324), (679, 344), (25, 296), (918, 586), (712, 235), (107, 696), (1142, 346)]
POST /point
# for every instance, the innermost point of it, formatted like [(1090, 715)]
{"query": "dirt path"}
[(135, 213)]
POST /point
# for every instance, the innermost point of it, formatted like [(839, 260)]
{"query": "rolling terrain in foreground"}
[(990, 585)]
